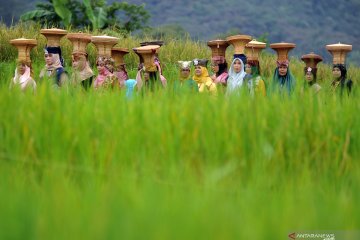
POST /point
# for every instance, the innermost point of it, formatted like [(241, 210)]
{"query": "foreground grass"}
[(75, 165)]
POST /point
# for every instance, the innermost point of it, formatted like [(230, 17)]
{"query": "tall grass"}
[(93, 165)]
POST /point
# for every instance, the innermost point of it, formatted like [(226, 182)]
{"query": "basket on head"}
[(53, 36), (104, 44), (311, 60), (282, 50), (239, 42), (24, 47), (339, 51), (148, 54), (118, 55), (253, 49), (79, 42)]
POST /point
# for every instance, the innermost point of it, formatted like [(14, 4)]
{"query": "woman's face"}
[(248, 68), (185, 72), (198, 70), (21, 68), (283, 71), (336, 72), (215, 67), (146, 76), (237, 66), (49, 59), (309, 76), (77, 62), (101, 66)]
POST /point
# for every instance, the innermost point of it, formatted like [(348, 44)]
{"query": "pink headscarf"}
[(100, 79)]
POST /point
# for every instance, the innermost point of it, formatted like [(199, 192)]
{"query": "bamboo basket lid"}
[(146, 49), (157, 42)]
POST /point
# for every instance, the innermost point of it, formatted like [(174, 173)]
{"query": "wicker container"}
[(148, 54), (118, 55), (253, 49), (218, 47), (339, 51), (24, 47), (79, 42), (282, 50), (239, 42), (53, 36), (311, 60), (104, 44)]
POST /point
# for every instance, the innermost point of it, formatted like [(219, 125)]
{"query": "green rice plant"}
[(94, 165)]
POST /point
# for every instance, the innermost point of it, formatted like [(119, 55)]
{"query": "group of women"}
[(242, 76)]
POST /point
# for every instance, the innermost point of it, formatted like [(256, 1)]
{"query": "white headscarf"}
[(24, 79), (235, 80)]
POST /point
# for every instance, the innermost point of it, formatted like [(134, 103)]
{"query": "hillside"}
[(311, 24)]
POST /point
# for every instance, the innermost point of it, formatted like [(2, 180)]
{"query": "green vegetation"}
[(92, 165), (311, 24), (94, 14)]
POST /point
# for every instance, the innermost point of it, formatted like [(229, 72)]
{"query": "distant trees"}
[(96, 14)]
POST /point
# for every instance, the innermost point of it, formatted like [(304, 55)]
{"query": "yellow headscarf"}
[(204, 77)]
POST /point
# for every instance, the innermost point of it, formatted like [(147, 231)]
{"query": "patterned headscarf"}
[(284, 63)]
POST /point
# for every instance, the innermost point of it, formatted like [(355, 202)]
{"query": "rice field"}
[(93, 165)]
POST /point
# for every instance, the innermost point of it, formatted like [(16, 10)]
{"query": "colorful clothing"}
[(204, 82), (256, 86), (55, 70)]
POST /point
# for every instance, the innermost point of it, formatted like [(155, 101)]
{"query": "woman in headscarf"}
[(340, 83), (185, 83), (255, 83), (310, 80), (201, 77), (283, 81), (236, 77), (310, 70), (82, 74), (219, 67), (339, 71), (23, 77), (283, 78), (54, 68), (121, 75), (105, 78)]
